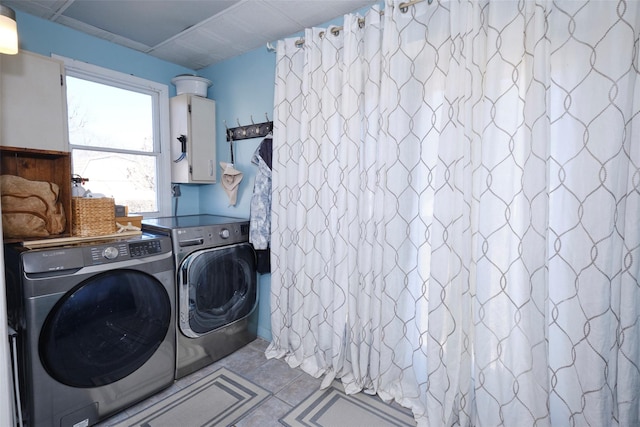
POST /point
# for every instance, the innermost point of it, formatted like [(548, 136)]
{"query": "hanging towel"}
[(230, 181), (260, 214)]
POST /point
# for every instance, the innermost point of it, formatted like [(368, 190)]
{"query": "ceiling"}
[(191, 33)]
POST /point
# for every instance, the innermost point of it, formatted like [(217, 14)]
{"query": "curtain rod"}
[(404, 7)]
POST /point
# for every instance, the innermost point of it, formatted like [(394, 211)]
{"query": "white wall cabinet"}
[(193, 117), (34, 103)]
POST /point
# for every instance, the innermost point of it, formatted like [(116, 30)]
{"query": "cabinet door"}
[(33, 96), (195, 118), (203, 147)]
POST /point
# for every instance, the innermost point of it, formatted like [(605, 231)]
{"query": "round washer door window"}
[(218, 287), (105, 328)]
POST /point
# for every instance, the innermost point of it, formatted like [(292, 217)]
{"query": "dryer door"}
[(105, 328), (216, 287)]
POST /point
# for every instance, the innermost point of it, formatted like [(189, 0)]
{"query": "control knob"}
[(224, 233), (110, 253)]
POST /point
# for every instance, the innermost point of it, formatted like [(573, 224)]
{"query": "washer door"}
[(105, 328), (216, 287)]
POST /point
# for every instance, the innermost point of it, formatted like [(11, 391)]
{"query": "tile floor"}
[(288, 386)]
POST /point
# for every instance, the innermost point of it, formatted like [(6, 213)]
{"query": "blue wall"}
[(243, 89)]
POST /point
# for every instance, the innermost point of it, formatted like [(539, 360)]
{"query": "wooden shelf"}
[(40, 165)]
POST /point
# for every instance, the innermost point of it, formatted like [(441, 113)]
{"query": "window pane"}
[(130, 179), (107, 116)]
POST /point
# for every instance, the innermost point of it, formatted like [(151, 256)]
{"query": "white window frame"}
[(160, 94)]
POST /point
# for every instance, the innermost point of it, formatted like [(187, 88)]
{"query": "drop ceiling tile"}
[(145, 21), (254, 18), (237, 40), (193, 55), (105, 35), (181, 56)]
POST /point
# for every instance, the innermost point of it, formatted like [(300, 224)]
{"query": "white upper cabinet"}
[(193, 139), (34, 108)]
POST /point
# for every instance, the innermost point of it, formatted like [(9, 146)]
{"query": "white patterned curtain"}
[(456, 210)]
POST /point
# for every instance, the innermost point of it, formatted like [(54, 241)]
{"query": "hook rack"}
[(254, 130)]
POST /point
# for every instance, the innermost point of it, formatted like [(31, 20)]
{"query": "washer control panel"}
[(120, 251), (149, 247), (71, 257)]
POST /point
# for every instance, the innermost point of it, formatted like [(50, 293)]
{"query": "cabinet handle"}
[(211, 171)]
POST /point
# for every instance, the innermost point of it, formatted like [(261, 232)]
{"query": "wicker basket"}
[(93, 217)]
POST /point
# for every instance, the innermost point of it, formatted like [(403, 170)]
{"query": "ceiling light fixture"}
[(8, 31)]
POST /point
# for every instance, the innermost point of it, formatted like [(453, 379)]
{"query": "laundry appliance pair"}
[(103, 325)]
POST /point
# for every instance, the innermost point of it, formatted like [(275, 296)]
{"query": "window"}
[(118, 134)]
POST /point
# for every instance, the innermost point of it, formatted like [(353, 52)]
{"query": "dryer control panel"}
[(211, 236)]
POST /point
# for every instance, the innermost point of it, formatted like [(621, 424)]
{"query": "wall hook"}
[(229, 131), (253, 130), (257, 129), (243, 129)]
